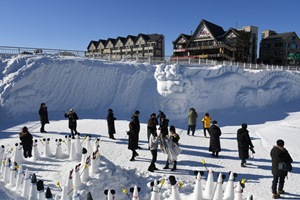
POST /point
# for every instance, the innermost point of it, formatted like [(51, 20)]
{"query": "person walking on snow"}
[(206, 123), (43, 112), (279, 154), (72, 121), (171, 148), (164, 126), (133, 133), (153, 146), (214, 142), (26, 139), (192, 120), (244, 144), (151, 127), (111, 124)]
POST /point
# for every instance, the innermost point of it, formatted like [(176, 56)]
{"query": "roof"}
[(92, 42), (281, 35), (185, 36)]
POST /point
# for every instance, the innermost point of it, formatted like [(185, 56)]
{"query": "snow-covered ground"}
[(266, 100)]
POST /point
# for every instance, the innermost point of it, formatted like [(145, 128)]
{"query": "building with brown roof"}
[(142, 45), (212, 42), (279, 49)]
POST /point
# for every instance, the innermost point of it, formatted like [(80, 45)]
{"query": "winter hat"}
[(153, 115), (172, 128), (214, 122), (137, 112), (206, 114), (244, 125), (163, 116), (110, 110), (24, 129), (280, 143), (72, 110)]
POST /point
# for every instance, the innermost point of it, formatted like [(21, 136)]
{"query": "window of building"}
[(278, 44)]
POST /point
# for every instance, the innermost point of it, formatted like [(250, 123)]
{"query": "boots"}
[(167, 165), (174, 166)]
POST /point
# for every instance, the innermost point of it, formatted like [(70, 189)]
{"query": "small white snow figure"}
[(49, 194), (20, 177), (209, 187), (47, 152), (6, 170), (135, 192), (26, 184), (33, 188), (96, 144), (89, 145), (175, 192), (110, 194), (198, 191), (238, 192), (13, 174), (155, 194), (229, 190), (18, 155), (218, 195), (36, 153), (85, 170), (89, 196), (68, 142), (94, 163), (58, 152), (73, 154), (76, 180), (78, 145), (40, 190)]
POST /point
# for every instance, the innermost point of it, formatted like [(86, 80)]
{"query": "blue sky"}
[(66, 24)]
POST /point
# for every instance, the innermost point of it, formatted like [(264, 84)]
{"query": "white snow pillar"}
[(155, 191), (135, 194), (73, 154), (76, 180), (58, 152), (218, 195), (13, 174), (229, 190), (36, 153), (6, 171), (78, 145), (209, 187), (33, 189), (47, 152), (238, 195), (20, 179), (26, 184), (198, 191)]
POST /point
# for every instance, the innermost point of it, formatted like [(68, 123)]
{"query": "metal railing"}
[(7, 50), (189, 61)]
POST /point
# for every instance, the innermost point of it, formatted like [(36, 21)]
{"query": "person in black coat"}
[(214, 142), (164, 126), (26, 139), (43, 112), (244, 144), (279, 154), (133, 133), (160, 115), (111, 124), (72, 121), (151, 127)]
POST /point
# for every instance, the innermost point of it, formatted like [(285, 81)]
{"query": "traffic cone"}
[(33, 188), (20, 177), (40, 190), (209, 187), (58, 152), (155, 195), (218, 194), (198, 191), (229, 190), (238, 195), (26, 184), (36, 153)]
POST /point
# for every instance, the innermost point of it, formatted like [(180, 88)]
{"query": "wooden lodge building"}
[(212, 42), (142, 45)]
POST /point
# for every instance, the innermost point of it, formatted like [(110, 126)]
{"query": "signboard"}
[(203, 33)]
